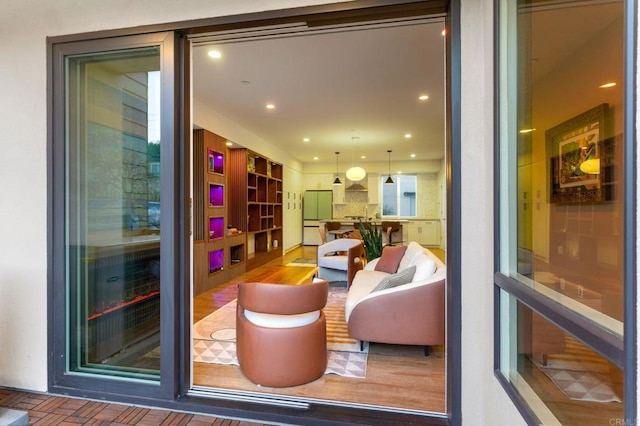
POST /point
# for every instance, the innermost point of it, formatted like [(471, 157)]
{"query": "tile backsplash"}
[(355, 205), (428, 198)]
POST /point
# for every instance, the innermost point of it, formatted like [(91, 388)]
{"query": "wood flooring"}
[(397, 376)]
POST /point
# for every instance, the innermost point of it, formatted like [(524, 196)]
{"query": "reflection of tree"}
[(153, 157), (117, 176)]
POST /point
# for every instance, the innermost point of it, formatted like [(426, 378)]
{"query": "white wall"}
[(483, 400)]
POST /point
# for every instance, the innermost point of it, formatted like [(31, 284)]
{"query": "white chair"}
[(340, 259)]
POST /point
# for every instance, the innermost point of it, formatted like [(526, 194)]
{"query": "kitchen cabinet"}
[(316, 181), (374, 189), (424, 232), (338, 192)]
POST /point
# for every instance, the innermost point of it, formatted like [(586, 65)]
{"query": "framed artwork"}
[(577, 150)]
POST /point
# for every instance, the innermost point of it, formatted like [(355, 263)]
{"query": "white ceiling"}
[(332, 88)]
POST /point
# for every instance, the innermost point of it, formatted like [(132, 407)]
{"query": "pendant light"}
[(389, 181), (355, 173), (337, 179)]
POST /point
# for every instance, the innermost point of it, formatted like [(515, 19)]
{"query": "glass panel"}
[(113, 213), (399, 197), (560, 378), (569, 152)]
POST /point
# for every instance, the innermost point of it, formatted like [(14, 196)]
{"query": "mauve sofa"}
[(409, 314)]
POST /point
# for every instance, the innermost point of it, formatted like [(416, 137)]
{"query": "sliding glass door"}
[(114, 267)]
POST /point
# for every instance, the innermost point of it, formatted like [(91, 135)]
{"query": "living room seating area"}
[(399, 298)]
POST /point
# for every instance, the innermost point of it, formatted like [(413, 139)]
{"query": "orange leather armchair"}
[(281, 332)]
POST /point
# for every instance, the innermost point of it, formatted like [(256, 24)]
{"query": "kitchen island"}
[(352, 222), (425, 231)]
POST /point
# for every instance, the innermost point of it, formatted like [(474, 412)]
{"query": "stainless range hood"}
[(356, 186)]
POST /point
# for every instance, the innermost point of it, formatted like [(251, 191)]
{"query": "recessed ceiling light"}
[(413, 156), (524, 131), (407, 135), (229, 143), (363, 157), (607, 85), (423, 97), (306, 139), (215, 54), (270, 106), (315, 158), (399, 172)]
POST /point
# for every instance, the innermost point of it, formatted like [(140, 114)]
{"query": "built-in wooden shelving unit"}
[(219, 255), (256, 184)]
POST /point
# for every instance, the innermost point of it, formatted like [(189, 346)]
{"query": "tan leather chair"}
[(281, 332)]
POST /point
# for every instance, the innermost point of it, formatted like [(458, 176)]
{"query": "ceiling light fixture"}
[(525, 131), (355, 173), (336, 181), (270, 106), (607, 85), (389, 181), (407, 135), (229, 143), (423, 97), (413, 156), (215, 54), (305, 140)]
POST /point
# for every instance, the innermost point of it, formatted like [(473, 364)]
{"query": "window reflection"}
[(113, 213), (576, 384), (570, 187)]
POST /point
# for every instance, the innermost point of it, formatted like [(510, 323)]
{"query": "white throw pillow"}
[(413, 250), (425, 267), (394, 280)]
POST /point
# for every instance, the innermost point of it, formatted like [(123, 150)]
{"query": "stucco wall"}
[(483, 400)]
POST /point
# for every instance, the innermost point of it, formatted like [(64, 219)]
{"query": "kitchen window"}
[(399, 197)]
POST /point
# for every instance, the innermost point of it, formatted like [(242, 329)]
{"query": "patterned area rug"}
[(214, 338), (579, 373), (580, 385), (303, 261)]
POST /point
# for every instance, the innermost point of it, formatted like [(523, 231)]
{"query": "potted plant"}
[(372, 240)]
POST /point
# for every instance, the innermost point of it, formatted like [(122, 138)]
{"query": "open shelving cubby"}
[(259, 179), (216, 228), (215, 162), (216, 261), (219, 253), (216, 195)]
